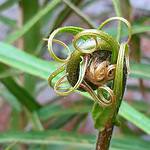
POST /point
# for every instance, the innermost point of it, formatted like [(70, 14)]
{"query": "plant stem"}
[(79, 13), (36, 121), (116, 4), (104, 137)]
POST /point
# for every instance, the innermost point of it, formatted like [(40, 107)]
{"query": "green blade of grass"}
[(134, 116), (47, 137), (64, 14), (59, 122), (25, 62), (28, 13), (7, 4), (79, 13), (17, 34), (40, 68), (9, 73), (136, 29), (126, 111), (11, 99), (56, 110), (140, 29), (28, 46), (7, 21), (19, 92), (116, 4), (140, 71), (58, 137)]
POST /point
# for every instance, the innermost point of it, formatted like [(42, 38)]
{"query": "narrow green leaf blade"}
[(7, 21), (140, 29), (25, 62), (140, 71), (47, 137), (7, 4), (134, 116), (15, 35), (67, 139)]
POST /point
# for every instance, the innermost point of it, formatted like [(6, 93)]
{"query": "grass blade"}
[(7, 21), (58, 137), (14, 36), (20, 93), (7, 4), (79, 13), (140, 29), (134, 116)]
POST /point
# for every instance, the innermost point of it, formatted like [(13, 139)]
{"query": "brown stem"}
[(104, 137)]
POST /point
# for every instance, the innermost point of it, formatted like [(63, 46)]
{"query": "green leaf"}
[(20, 93), (17, 34), (61, 121), (64, 14), (28, 13), (11, 99), (40, 68), (140, 29), (101, 116), (9, 73), (142, 106), (7, 21), (136, 29), (119, 83), (57, 137), (28, 46), (79, 13), (25, 62), (56, 110), (128, 142), (134, 116), (47, 137), (139, 70), (7, 4)]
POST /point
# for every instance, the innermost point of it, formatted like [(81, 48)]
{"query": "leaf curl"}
[(119, 19), (69, 29)]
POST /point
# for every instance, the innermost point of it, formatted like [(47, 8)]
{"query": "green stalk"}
[(79, 13), (30, 47), (105, 110), (64, 14), (105, 135), (116, 4), (12, 37), (36, 121), (19, 92)]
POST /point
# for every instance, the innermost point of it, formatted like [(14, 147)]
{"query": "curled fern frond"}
[(118, 19), (96, 65)]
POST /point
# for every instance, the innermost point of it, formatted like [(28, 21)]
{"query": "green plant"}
[(92, 66), (35, 124)]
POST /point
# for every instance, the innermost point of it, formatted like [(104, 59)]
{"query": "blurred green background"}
[(32, 116)]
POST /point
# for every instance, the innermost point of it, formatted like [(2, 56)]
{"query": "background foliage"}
[(32, 116)]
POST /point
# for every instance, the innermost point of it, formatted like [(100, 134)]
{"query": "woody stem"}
[(104, 137)]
